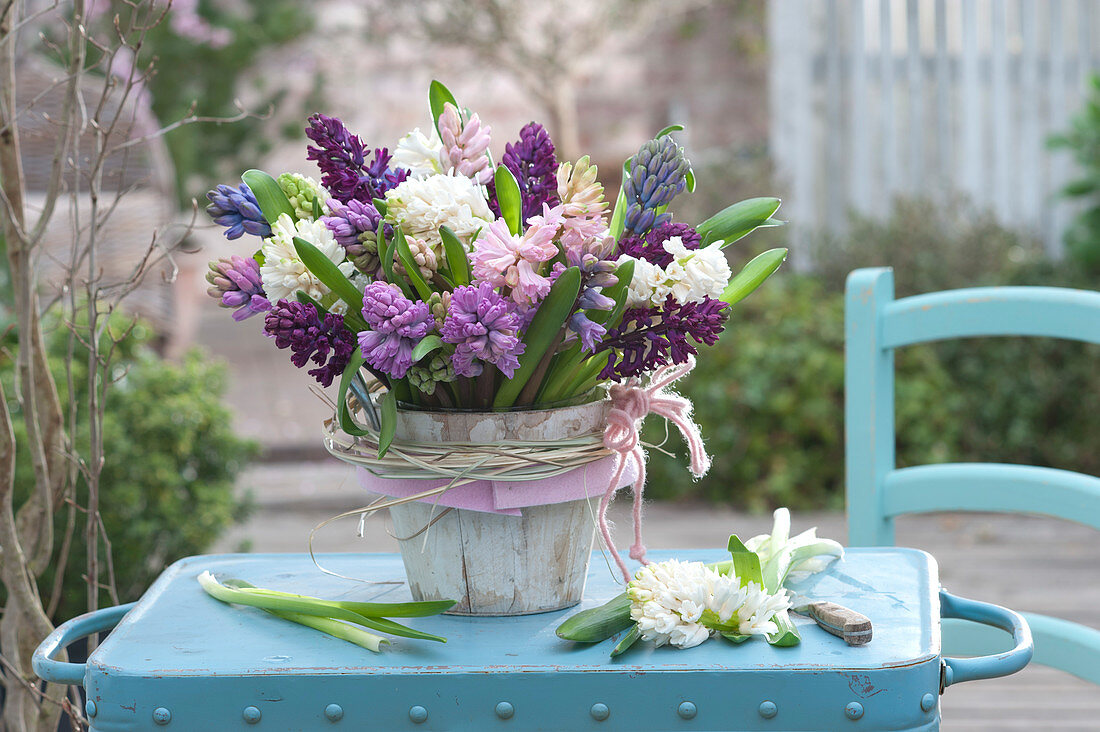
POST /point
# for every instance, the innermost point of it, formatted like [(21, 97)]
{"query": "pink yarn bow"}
[(630, 403)]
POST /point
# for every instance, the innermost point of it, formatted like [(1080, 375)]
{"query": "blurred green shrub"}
[(770, 396), (770, 401), (931, 246), (166, 490), (1082, 140)]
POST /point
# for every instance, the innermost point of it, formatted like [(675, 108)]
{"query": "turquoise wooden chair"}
[(878, 492)]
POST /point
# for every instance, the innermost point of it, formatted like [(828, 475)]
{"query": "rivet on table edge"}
[(418, 714), (90, 708), (768, 709), (928, 702), (687, 710), (334, 712), (854, 710), (162, 716), (505, 710), (599, 711), (251, 715)]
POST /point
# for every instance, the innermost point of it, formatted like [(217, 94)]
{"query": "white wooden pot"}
[(495, 564)]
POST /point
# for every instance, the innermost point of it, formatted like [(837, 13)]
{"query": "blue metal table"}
[(181, 660)]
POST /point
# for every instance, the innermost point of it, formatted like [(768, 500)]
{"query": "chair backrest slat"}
[(993, 487), (877, 492), (1056, 312)]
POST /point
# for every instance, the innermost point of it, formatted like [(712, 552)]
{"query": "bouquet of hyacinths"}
[(684, 603), (462, 284)]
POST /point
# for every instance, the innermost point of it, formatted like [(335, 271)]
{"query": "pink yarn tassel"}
[(630, 403)]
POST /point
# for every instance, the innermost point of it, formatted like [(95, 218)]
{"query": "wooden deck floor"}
[(1026, 563)]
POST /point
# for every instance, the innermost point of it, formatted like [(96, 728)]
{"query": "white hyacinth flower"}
[(682, 603), (696, 273), (783, 556), (421, 205), (419, 154), (283, 273), (649, 285)]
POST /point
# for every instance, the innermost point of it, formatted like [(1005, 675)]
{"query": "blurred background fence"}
[(870, 99)]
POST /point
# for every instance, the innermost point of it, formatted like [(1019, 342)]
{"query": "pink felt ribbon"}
[(630, 403)]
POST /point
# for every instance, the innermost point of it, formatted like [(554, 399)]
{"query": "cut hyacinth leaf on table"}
[(329, 616)]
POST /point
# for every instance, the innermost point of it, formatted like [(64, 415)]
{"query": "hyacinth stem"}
[(531, 388), (483, 388)]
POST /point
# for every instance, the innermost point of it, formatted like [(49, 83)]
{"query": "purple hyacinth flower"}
[(397, 325), (238, 211), (484, 328), (658, 172), (590, 332), (350, 220), (651, 247), (342, 158), (651, 337), (532, 161), (235, 282), (326, 342)]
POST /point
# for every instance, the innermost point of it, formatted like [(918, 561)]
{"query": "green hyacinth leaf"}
[(597, 623), (438, 96), (273, 202), (388, 417), (746, 564), (544, 328), (343, 414), (390, 252), (457, 262), (618, 216), (736, 221), (325, 270), (427, 345), (509, 199), (412, 269), (752, 275), (380, 206), (787, 635), (632, 636)]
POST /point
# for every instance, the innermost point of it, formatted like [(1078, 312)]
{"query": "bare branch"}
[(191, 119)]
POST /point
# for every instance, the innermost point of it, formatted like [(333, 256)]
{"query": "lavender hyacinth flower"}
[(235, 281), (342, 159), (325, 342), (238, 211), (651, 247), (483, 326), (397, 325), (658, 172), (532, 162), (355, 226)]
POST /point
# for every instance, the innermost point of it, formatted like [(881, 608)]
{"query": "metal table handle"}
[(61, 672), (956, 670)]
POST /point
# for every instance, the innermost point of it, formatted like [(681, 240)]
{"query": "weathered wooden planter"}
[(495, 564)]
